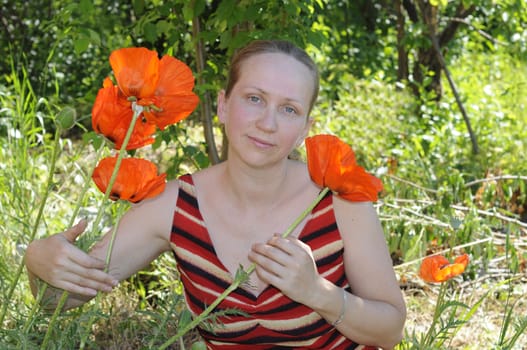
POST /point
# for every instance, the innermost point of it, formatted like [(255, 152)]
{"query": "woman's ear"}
[(221, 106)]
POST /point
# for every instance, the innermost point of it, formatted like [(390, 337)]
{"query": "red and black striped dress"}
[(272, 320)]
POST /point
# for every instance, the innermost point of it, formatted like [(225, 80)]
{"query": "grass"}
[(438, 198)]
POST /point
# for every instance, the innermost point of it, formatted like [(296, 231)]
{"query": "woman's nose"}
[(267, 120)]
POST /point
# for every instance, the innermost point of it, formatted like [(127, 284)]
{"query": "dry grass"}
[(482, 330), (130, 328)]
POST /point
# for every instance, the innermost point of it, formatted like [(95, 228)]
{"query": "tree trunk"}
[(205, 102), (402, 54), (426, 56), (427, 61)]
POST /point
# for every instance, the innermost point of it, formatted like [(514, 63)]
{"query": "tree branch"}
[(205, 101), (451, 28), (441, 59), (479, 31), (402, 55)]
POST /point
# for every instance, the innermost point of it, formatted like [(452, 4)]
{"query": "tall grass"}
[(438, 198)]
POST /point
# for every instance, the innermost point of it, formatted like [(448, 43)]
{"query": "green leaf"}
[(199, 7), (139, 6), (150, 31), (80, 45), (86, 7), (193, 9), (202, 161), (184, 319), (436, 3), (163, 27), (93, 138), (188, 13), (225, 11), (94, 36)]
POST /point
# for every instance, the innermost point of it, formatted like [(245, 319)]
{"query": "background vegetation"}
[(431, 94)]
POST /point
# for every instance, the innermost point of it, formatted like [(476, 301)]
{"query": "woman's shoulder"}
[(299, 169), (163, 200), (205, 176), (300, 175), (347, 208), (355, 217), (190, 178)]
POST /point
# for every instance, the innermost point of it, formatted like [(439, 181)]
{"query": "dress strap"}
[(186, 183)]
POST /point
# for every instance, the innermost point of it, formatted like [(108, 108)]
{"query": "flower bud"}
[(66, 118)]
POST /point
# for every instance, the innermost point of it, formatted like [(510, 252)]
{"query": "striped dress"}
[(272, 320)]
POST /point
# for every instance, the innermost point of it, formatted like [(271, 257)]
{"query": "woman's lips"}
[(260, 142)]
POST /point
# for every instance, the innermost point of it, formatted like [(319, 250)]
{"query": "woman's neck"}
[(255, 187)]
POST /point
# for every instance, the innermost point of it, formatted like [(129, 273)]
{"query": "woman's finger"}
[(72, 233)]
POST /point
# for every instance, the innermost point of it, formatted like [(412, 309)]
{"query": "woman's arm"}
[(142, 235), (374, 313)]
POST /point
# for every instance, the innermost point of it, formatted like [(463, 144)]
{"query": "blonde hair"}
[(257, 47)]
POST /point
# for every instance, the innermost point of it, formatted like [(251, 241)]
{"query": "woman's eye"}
[(289, 110), (254, 99)]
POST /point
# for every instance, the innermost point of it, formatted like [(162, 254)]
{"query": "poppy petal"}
[(462, 260), (151, 188), (430, 266), (136, 180), (174, 76), (112, 115), (332, 163), (136, 70), (437, 268), (174, 108), (174, 98)]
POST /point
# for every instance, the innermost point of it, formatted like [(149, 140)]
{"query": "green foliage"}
[(438, 196)]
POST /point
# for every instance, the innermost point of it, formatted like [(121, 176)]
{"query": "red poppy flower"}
[(437, 268), (173, 98), (136, 180), (163, 88), (332, 164), (112, 115), (136, 70)]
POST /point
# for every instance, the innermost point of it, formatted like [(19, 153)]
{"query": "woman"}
[(329, 285)]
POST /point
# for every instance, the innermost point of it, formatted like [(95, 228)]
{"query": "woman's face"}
[(265, 115)]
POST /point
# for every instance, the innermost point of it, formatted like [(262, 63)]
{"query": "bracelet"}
[(343, 310)]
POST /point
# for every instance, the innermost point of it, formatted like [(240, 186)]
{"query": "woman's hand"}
[(287, 264), (57, 261)]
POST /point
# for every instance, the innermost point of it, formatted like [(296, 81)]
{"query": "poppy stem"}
[(308, 210), (65, 294), (122, 152), (49, 183), (428, 338), (241, 276)]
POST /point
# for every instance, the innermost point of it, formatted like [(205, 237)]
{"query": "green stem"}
[(120, 157), (56, 313), (161, 326), (76, 210), (308, 210), (65, 294), (122, 151), (108, 256), (112, 238), (241, 276), (426, 341), (45, 196), (98, 218)]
